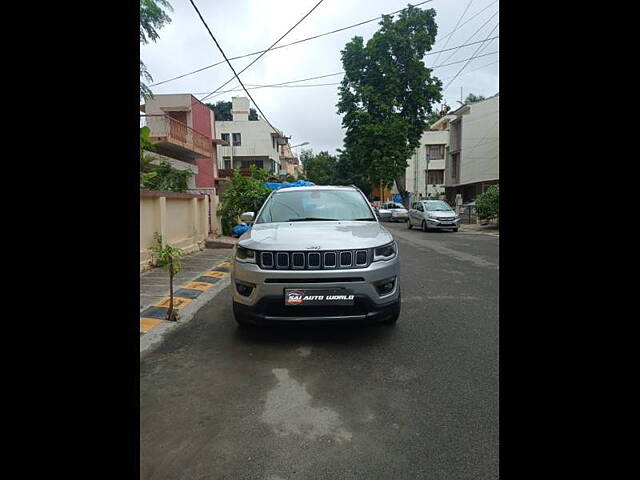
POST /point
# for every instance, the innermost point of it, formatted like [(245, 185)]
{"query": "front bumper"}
[(443, 225), (271, 309), (266, 300), (400, 218)]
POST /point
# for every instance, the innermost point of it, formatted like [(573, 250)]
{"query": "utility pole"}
[(460, 93)]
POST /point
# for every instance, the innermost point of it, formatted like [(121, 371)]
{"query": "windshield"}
[(316, 205), (437, 206), (395, 206)]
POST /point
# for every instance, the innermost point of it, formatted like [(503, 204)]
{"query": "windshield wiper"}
[(367, 219), (312, 219)]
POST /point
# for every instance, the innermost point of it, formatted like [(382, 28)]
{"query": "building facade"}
[(183, 133), (425, 174), (472, 162), (248, 142)]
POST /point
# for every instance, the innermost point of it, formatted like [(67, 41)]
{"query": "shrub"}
[(488, 203), (246, 194)]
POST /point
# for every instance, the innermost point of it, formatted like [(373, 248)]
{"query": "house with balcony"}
[(289, 163), (425, 171), (472, 161), (245, 142), (183, 133)]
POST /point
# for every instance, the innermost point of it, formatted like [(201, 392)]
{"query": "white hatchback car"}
[(398, 212), (436, 214)]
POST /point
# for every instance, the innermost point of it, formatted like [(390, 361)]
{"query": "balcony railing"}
[(174, 138)]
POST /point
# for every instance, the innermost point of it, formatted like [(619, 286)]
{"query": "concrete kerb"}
[(153, 338)]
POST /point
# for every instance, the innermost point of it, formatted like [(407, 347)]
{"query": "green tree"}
[(350, 172), (246, 194), (164, 177), (222, 111), (167, 257), (319, 168), (471, 98), (488, 203), (152, 18), (387, 93)]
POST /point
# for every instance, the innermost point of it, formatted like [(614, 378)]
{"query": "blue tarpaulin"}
[(298, 183), (240, 229)]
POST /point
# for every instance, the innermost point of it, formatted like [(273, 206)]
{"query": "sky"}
[(308, 114)]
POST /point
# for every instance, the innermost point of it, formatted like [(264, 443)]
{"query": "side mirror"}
[(247, 217)]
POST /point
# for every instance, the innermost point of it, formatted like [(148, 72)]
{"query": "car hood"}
[(447, 214), (340, 235)]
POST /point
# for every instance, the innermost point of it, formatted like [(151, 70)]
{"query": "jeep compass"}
[(315, 253)]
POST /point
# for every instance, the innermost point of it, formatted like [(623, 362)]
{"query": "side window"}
[(420, 209)]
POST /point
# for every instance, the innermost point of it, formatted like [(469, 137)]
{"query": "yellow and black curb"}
[(156, 314)]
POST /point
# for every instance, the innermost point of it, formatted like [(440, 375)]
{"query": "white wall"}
[(480, 153), (255, 140), (415, 173)]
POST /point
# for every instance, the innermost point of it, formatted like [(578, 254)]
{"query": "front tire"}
[(424, 226), (454, 229), (409, 226)]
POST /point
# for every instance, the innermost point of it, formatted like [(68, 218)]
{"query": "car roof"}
[(316, 187)]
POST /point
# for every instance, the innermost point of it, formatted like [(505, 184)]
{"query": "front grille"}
[(448, 219), (340, 259)]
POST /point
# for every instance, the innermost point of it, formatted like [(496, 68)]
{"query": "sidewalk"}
[(202, 276), (480, 229)]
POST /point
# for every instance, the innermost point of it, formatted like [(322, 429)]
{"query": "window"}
[(455, 166), (435, 152), (236, 140), (227, 162), (286, 206), (435, 177), (245, 164), (225, 137)]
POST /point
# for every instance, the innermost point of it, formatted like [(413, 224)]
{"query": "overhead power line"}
[(467, 21), (231, 67), (455, 28), (285, 84), (286, 45), (472, 35), (272, 45), (469, 60), (234, 89)]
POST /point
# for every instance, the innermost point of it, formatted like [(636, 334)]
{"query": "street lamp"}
[(300, 145)]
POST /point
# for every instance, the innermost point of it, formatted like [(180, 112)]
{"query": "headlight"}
[(245, 255), (386, 252)]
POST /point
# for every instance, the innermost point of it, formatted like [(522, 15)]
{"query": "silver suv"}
[(315, 253)]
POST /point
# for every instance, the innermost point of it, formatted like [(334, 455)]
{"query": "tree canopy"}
[(326, 169), (222, 111), (471, 98), (387, 93)]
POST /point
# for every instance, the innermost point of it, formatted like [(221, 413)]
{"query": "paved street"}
[(418, 400)]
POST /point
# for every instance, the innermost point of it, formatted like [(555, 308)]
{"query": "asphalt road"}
[(418, 400)]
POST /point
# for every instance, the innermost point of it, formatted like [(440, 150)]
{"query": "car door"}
[(419, 213), (413, 212)]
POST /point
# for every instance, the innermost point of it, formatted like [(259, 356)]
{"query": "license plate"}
[(318, 296)]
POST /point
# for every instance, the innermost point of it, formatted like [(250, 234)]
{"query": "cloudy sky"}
[(308, 114)]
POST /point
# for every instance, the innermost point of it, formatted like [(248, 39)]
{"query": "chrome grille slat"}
[(316, 260)]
